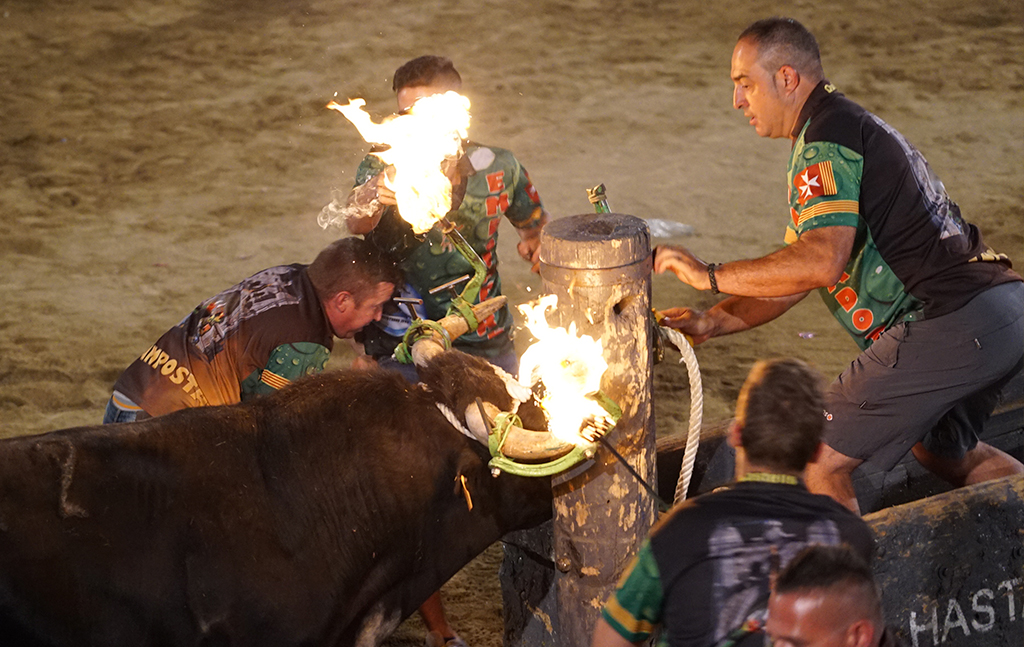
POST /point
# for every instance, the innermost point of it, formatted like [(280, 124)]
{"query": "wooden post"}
[(599, 266)]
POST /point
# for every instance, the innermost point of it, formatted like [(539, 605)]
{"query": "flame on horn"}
[(569, 366)]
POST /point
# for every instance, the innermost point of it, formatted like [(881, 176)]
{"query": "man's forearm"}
[(785, 272), (816, 260), (363, 209), (737, 314)]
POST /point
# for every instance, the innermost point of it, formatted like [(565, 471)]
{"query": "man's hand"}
[(362, 362), (696, 323), (529, 243), (681, 262), (366, 204), (529, 251), (384, 193)]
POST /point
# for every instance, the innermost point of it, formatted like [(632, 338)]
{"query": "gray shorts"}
[(935, 381)]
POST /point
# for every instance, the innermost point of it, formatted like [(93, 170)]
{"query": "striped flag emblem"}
[(273, 379), (815, 181)]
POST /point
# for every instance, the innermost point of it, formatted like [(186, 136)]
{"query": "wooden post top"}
[(595, 241)]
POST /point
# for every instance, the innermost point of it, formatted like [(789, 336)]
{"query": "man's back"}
[(214, 353), (715, 555)]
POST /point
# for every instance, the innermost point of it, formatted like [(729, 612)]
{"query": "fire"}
[(569, 366), (420, 141)]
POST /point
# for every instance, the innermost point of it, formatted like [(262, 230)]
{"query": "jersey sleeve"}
[(636, 606), (286, 364), (824, 188), (525, 210), (370, 166)]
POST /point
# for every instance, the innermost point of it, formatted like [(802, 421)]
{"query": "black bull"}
[(320, 515)]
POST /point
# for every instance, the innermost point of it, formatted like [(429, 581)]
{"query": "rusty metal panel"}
[(951, 567)]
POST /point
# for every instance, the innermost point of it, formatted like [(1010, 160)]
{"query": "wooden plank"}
[(951, 567)]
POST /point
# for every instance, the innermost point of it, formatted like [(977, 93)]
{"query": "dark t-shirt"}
[(707, 566), (914, 255), (228, 339)]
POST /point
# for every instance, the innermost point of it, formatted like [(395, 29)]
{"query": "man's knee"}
[(831, 462)]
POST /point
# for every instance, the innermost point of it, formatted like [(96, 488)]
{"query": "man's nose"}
[(738, 98)]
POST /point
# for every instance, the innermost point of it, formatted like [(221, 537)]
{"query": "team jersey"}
[(914, 255), (253, 338), (704, 573), (495, 185)]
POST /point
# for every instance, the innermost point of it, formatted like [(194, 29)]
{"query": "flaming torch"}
[(420, 142)]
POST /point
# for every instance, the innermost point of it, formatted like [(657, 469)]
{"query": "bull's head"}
[(488, 420)]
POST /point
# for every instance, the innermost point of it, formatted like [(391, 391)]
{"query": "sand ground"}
[(152, 154)]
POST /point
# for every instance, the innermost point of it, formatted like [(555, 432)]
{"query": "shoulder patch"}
[(815, 181), (481, 158)]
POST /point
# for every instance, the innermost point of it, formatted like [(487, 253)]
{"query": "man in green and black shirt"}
[(257, 336), (938, 315), (488, 184), (704, 574)]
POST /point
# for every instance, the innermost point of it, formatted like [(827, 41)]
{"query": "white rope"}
[(454, 420), (696, 410)]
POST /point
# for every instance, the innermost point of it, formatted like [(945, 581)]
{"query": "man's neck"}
[(754, 472), (803, 93)]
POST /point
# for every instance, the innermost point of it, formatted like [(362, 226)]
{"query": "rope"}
[(454, 420), (680, 341)]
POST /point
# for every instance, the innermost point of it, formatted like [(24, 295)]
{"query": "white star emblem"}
[(808, 182)]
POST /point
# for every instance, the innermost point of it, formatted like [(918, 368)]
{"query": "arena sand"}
[(152, 154)]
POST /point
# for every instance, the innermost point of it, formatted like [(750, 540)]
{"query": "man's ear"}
[(860, 634), (734, 437), (343, 301), (787, 78)]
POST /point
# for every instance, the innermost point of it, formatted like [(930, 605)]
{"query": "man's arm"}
[(734, 314), (817, 259), (366, 204), (605, 636), (529, 242)]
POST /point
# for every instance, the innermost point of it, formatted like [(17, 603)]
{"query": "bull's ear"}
[(472, 481)]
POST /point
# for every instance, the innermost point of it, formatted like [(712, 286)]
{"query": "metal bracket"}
[(583, 451)]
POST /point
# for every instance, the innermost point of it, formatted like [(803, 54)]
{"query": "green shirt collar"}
[(770, 477)]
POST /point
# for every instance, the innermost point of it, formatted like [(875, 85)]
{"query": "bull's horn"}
[(454, 325), (520, 444)]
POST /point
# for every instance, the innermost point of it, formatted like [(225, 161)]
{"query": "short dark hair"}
[(784, 41), (831, 568), (351, 265), (780, 412), (427, 70)]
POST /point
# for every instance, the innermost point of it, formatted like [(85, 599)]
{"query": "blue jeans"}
[(115, 413)]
